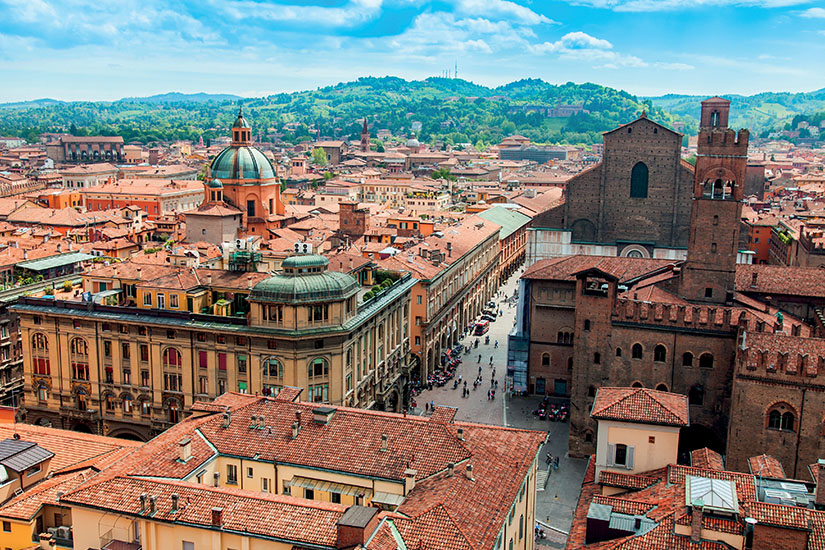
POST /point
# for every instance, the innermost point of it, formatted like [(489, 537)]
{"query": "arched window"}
[(587, 324), (591, 391), (545, 359), (43, 392), (588, 437), (618, 352), (781, 419), (636, 351), (109, 400), (81, 400), (637, 384), (774, 420), (173, 412), (687, 359), (788, 421), (660, 353), (638, 181), (127, 404), (318, 368), (569, 363), (696, 395), (172, 377), (273, 376), (79, 357), (706, 361), (40, 354), (661, 387)]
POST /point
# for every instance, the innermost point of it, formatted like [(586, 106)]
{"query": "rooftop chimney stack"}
[(185, 448), (143, 497), (227, 419), (296, 428), (469, 472), (819, 499), (696, 521), (153, 504), (450, 469), (461, 434), (254, 422), (261, 422), (409, 480), (174, 502), (384, 439), (217, 516), (216, 478)]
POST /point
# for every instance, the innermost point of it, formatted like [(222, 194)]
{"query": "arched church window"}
[(638, 181)]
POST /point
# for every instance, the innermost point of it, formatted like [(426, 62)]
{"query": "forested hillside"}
[(452, 110)]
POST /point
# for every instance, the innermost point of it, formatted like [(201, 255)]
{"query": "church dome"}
[(242, 162), (215, 184), (305, 280), (412, 142), (241, 122)]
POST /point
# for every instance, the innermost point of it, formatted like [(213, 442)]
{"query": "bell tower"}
[(709, 273), (365, 138)]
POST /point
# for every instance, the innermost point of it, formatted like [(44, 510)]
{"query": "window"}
[(242, 364), (708, 292), (79, 355), (240, 340), (40, 354), (687, 359), (173, 300), (172, 377), (142, 331), (144, 353), (545, 359), (318, 313), (220, 338), (173, 413), (144, 378), (417, 340), (250, 472), (618, 352), (661, 387), (222, 361), (696, 395), (335, 498), (107, 349), (170, 334), (588, 437), (188, 545), (127, 404), (201, 337), (203, 359), (587, 324), (636, 351), (521, 527), (620, 458), (591, 391), (231, 474), (660, 353), (318, 368), (706, 361), (597, 358), (778, 420), (319, 393), (42, 392), (147, 299), (417, 301), (125, 351), (264, 485), (639, 180), (273, 373), (309, 494), (7, 527)]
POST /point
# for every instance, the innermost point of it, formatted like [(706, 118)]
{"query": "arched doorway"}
[(82, 427), (697, 436)]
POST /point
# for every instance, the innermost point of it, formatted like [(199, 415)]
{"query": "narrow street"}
[(555, 503)]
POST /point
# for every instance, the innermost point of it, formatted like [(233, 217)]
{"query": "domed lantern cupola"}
[(241, 130)]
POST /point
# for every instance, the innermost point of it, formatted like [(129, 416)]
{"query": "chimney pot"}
[(143, 497), (450, 469), (216, 478), (469, 472), (174, 502), (261, 422), (254, 423), (153, 500), (384, 440), (696, 522), (227, 419), (185, 448), (296, 428), (461, 434)]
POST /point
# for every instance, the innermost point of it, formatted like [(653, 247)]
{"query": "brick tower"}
[(721, 162), (365, 138)]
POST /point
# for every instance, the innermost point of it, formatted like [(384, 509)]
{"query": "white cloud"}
[(354, 13), (583, 47), (674, 5), (816, 13), (501, 8)]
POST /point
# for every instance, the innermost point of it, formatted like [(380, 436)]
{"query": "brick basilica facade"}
[(749, 366)]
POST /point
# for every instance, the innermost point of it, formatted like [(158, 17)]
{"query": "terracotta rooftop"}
[(766, 466), (706, 458), (641, 405), (564, 269)]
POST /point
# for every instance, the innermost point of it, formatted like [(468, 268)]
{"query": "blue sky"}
[(104, 50)]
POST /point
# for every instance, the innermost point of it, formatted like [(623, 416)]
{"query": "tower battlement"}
[(707, 317), (724, 141)]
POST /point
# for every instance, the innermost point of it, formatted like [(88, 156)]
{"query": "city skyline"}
[(82, 51)]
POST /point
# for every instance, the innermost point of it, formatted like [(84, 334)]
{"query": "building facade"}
[(135, 370)]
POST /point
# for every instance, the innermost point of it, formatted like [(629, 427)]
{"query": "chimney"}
[(450, 469), (47, 541), (356, 526), (409, 480), (227, 419), (217, 517), (25, 254), (59, 248), (185, 447), (296, 428), (322, 415), (819, 499), (384, 439), (449, 249), (254, 423), (696, 521), (174, 502), (461, 434), (350, 264), (261, 422), (153, 504), (469, 472), (209, 279), (216, 478), (143, 498), (139, 272)]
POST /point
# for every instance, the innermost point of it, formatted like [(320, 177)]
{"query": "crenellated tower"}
[(709, 273)]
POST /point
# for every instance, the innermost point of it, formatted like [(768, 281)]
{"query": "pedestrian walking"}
[(496, 384), (479, 358), (426, 407), (549, 458), (432, 406), (556, 463), (491, 360)]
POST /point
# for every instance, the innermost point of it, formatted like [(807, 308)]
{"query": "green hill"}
[(449, 110), (758, 112)]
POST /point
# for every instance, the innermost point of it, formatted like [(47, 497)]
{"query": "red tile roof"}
[(25, 506), (766, 466), (564, 269), (706, 458), (626, 481), (641, 405)]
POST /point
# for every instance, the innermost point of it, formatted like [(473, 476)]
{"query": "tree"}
[(443, 174), (319, 157)]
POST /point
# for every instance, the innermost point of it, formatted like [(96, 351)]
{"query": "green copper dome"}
[(305, 280), (215, 184), (241, 162)]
